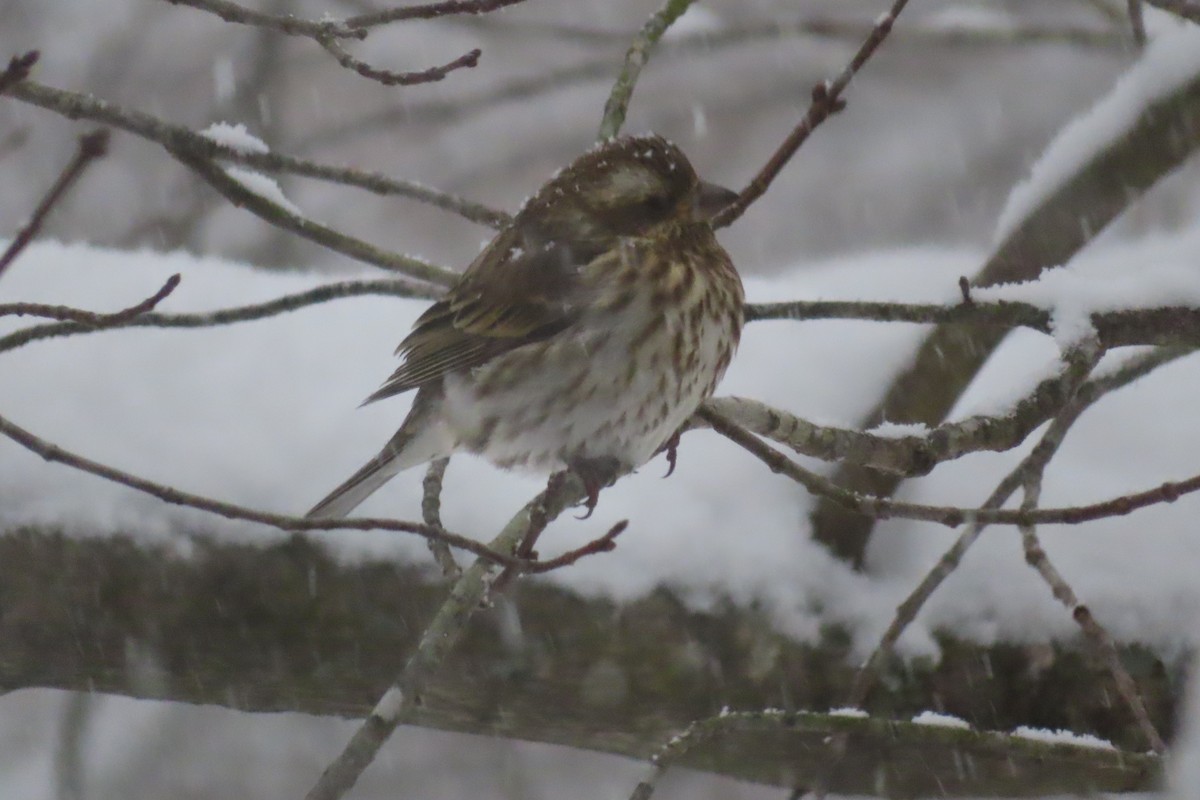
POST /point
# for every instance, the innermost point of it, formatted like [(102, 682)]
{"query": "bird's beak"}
[(711, 199)]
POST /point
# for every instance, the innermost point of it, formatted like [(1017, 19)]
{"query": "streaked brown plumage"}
[(585, 333)]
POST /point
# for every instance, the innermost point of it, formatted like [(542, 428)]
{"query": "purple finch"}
[(583, 336)]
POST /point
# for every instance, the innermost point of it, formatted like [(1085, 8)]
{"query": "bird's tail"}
[(417, 442)]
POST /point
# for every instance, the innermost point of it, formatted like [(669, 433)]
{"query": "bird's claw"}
[(595, 474), (672, 449)]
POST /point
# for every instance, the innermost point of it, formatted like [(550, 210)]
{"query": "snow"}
[(265, 414), (1185, 751), (1062, 737), (937, 720), (695, 20), (1170, 61), (897, 430), (849, 713), (264, 186), (235, 136), (974, 17), (1073, 296)]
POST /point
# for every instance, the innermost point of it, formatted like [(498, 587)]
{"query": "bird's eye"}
[(657, 203)]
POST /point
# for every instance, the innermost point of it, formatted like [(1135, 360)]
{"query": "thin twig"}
[(18, 69), (91, 147), (1016, 33), (77, 321), (286, 23), (636, 58), (886, 508), (429, 11), (1163, 326), (169, 494), (706, 43), (915, 454), (1102, 641), (1137, 22), (439, 638), (605, 544), (431, 513), (91, 320), (906, 612), (826, 101), (235, 192), (80, 106), (388, 78)]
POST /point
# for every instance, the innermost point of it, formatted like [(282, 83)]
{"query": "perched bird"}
[(583, 336)]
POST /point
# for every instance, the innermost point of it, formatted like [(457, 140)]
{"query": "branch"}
[(440, 638), (237, 193), (826, 101), (1080, 208), (919, 454), (327, 33), (1137, 23), (429, 11), (636, 58), (169, 494), (222, 640), (1100, 638), (77, 321), (73, 105), (92, 146), (288, 24), (1033, 464), (705, 43), (431, 75), (18, 70)]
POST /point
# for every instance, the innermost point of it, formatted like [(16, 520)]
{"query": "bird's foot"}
[(671, 448), (596, 474)]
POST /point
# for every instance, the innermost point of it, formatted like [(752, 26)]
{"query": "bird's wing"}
[(514, 293)]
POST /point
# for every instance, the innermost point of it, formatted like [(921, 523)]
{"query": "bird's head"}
[(630, 186)]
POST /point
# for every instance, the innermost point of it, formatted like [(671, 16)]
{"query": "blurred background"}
[(938, 128)]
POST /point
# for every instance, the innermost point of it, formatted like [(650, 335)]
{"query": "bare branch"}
[(443, 633), (270, 211), (81, 106), (387, 78), (635, 59), (1177, 325), (916, 454), (91, 147), (706, 42), (605, 544), (1103, 643), (18, 69), (1137, 23), (826, 101), (429, 11), (292, 26), (77, 321), (174, 496)]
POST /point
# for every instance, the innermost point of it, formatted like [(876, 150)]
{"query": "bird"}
[(582, 337)]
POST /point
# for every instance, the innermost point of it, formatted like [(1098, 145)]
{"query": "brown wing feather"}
[(511, 295)]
